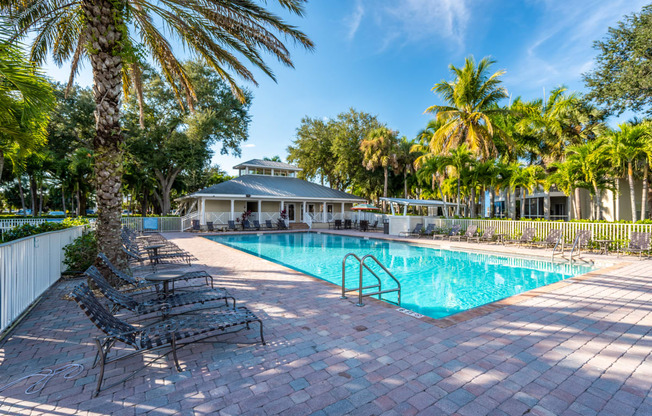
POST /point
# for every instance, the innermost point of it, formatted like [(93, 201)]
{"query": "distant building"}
[(266, 188)]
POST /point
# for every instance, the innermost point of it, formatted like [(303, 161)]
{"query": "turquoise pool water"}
[(434, 282)]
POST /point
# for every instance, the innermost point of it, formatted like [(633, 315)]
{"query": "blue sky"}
[(384, 56)]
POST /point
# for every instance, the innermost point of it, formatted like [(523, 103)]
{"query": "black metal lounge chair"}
[(139, 283), (415, 231), (638, 244), (428, 232), (551, 240), (169, 334), (470, 232), (157, 303), (195, 225), (209, 226), (488, 235), (268, 224), (348, 224), (455, 230), (281, 224), (231, 224), (374, 226), (338, 224), (257, 225), (526, 238), (364, 225)]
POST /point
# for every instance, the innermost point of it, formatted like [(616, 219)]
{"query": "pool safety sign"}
[(410, 313)]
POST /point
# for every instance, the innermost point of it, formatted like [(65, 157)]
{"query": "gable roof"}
[(275, 187), (270, 164)]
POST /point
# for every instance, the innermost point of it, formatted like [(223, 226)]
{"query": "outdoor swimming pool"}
[(434, 282)]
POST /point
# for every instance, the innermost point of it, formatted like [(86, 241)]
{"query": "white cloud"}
[(249, 145), (410, 21)]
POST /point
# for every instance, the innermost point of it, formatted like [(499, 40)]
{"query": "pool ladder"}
[(360, 288)]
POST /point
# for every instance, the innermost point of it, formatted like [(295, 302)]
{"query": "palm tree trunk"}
[(472, 203), (492, 199), (2, 162), (22, 195), (632, 194), (104, 23), (63, 198), (385, 174), (646, 168), (32, 194), (457, 209), (443, 199), (405, 183), (523, 191), (508, 213), (576, 204)]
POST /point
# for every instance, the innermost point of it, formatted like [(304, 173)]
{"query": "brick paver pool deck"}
[(582, 348)]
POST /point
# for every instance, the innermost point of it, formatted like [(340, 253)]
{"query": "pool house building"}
[(266, 189)]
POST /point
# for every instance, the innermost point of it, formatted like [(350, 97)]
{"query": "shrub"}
[(26, 230), (81, 253)]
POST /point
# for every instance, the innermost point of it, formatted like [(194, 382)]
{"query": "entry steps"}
[(378, 286)]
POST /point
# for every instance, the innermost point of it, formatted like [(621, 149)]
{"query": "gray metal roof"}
[(275, 186), (269, 164)]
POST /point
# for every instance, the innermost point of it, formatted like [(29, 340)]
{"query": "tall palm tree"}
[(379, 151), (405, 158), (626, 148), (117, 36), (471, 100), (591, 162), (458, 159), (647, 158), (26, 99), (566, 177), (431, 170), (527, 178)]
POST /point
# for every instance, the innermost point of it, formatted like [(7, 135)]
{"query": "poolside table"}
[(604, 246), (165, 278), (154, 249)]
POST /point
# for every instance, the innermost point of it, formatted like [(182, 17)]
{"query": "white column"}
[(203, 211), (260, 210), (546, 206), (405, 210), (342, 211), (324, 215), (391, 206), (232, 210)]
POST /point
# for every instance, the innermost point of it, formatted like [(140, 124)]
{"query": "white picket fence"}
[(28, 267), (618, 232)]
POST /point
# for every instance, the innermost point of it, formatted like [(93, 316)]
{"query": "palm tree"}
[(431, 170), (527, 178), (379, 151), (405, 157), (116, 35), (626, 147), (591, 162), (566, 177), (471, 100), (647, 158), (26, 99), (458, 159)]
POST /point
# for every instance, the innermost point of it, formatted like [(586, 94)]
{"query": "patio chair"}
[(195, 225), (209, 226), (488, 235), (154, 304), (348, 224), (338, 224), (526, 237), (231, 225), (168, 335), (246, 226), (281, 224), (257, 225), (364, 225), (455, 230), (582, 240), (141, 283), (470, 232), (638, 243), (551, 240), (415, 231), (374, 226), (268, 224), (429, 231)]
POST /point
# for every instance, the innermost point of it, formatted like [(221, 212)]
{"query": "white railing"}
[(28, 267), (618, 232), (156, 224), (17, 222), (308, 219), (218, 217)]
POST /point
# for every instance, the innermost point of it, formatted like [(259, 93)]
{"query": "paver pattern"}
[(581, 349)]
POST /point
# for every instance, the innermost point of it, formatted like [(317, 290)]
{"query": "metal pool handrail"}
[(360, 288)]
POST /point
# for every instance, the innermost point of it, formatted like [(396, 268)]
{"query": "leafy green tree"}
[(566, 177), (527, 178), (379, 151), (312, 151), (621, 78), (590, 160), (471, 99), (25, 102), (458, 159), (117, 36), (626, 149), (174, 141), (405, 158), (275, 158)]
